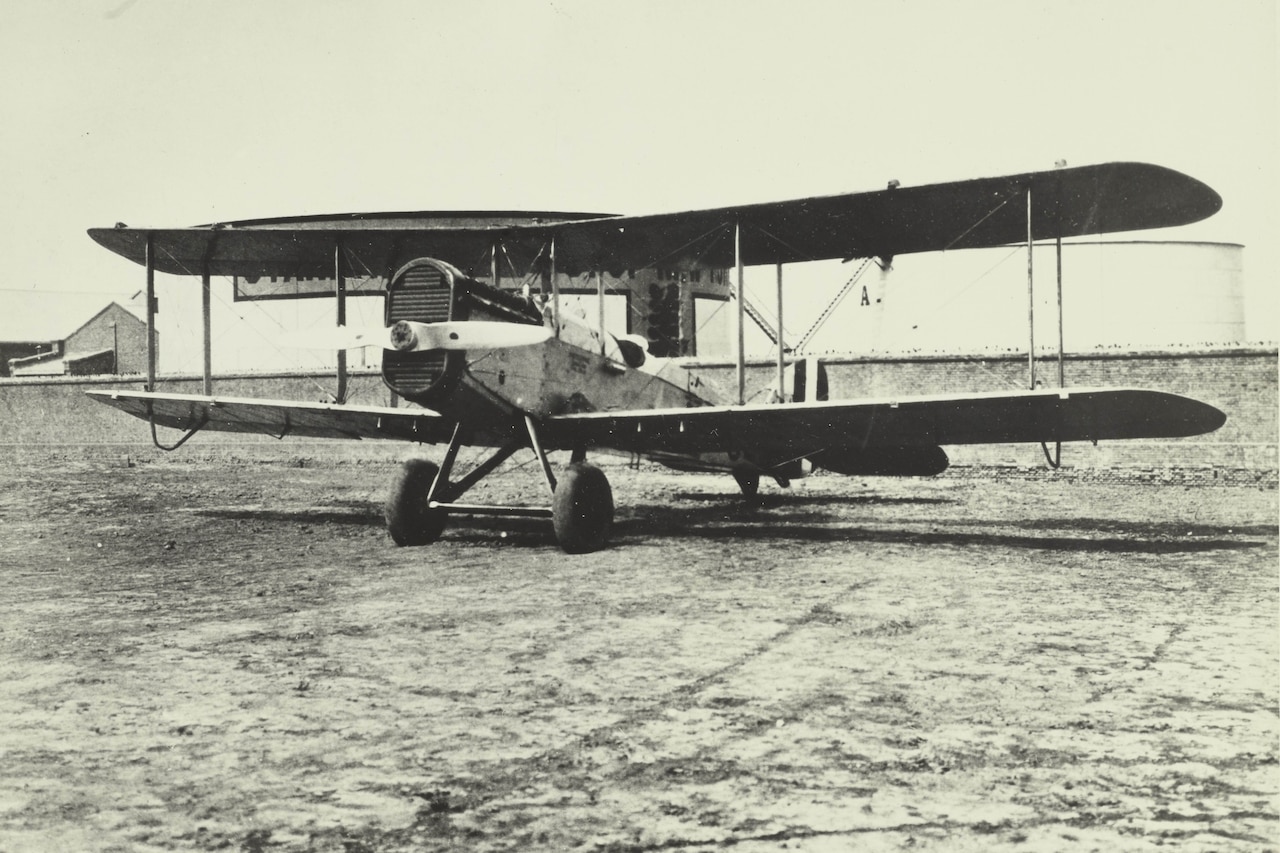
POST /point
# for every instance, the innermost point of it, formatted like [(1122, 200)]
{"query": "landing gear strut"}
[(422, 496)]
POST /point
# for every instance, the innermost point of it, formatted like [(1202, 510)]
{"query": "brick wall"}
[(1241, 382), (53, 416)]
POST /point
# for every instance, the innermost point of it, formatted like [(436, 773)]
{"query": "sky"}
[(172, 114)]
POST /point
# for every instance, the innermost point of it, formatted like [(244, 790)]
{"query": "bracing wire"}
[(266, 315)]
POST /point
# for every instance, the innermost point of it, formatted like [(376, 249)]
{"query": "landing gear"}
[(748, 477), (410, 518), (582, 509), (423, 497)]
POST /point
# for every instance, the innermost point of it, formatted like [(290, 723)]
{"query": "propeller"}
[(411, 336)]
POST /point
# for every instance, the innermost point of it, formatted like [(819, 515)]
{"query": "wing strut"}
[(340, 295), (1062, 379), (1031, 305), (1031, 332), (206, 323), (555, 290), (742, 301), (600, 309), (150, 263), (782, 381), (1055, 461), (206, 330)]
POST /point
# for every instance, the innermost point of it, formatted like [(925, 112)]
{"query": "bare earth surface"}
[(200, 656)]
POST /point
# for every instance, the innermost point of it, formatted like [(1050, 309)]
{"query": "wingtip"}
[(1211, 418), (1193, 417), (1195, 198)]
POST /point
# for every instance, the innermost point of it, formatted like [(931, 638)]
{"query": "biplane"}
[(495, 362)]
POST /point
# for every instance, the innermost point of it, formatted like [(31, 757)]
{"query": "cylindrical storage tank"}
[(1134, 294), (1148, 293)]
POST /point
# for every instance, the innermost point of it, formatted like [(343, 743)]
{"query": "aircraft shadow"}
[(1149, 528), (1083, 543), (741, 524), (362, 516), (743, 521), (773, 499), (733, 519)]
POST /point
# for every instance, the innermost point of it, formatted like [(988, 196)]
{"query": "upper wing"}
[(1065, 202), (956, 215), (372, 244), (806, 428), (279, 418)]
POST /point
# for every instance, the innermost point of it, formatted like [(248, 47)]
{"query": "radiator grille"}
[(423, 293)]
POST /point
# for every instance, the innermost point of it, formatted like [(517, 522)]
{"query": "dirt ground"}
[(235, 657)]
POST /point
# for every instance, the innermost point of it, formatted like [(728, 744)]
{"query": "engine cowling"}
[(883, 461), (423, 291), (428, 291)]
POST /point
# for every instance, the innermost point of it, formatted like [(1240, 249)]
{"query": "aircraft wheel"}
[(582, 508), (409, 520), (748, 480)]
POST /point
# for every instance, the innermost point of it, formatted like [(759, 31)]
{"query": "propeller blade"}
[(338, 337), (410, 336)]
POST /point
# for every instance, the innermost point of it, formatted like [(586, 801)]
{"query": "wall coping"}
[(138, 378), (1258, 350)]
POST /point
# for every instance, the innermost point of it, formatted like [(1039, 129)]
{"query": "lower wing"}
[(802, 429), (809, 428), (279, 418)]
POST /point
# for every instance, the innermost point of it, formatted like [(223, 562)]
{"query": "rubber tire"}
[(409, 520), (582, 509)]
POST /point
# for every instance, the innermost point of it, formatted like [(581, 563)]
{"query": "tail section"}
[(803, 381)]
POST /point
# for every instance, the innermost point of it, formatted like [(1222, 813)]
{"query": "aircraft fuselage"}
[(501, 386)]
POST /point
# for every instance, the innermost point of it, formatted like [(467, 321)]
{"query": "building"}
[(40, 337)]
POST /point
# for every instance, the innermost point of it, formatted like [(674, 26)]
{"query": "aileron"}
[(278, 418)]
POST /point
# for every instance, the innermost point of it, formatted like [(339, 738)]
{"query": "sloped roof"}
[(55, 365), (41, 317)]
